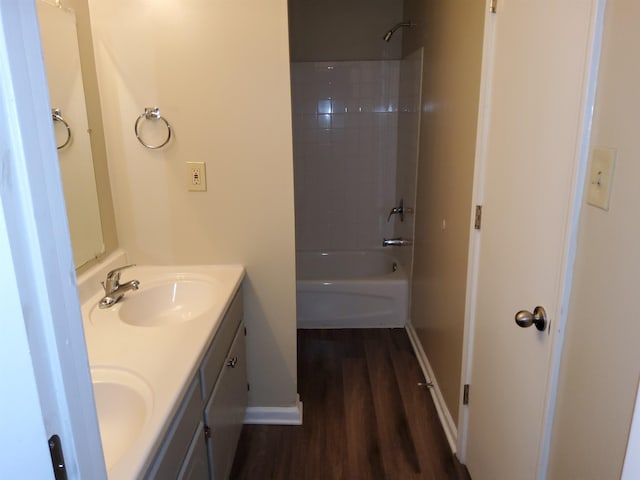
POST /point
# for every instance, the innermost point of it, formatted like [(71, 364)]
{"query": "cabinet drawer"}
[(174, 448), (217, 354), (224, 413)]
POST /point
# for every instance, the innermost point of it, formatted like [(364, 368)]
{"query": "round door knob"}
[(525, 318)]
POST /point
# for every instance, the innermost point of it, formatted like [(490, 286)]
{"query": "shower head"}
[(389, 34)]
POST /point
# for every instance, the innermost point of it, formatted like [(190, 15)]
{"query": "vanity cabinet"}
[(202, 438), (224, 413)]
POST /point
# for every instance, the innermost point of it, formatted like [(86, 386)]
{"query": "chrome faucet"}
[(113, 290), (396, 242)]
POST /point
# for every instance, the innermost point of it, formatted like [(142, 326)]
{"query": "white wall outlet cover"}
[(196, 177), (600, 177)]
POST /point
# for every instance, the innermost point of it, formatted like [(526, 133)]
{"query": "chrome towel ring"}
[(152, 113), (56, 114)]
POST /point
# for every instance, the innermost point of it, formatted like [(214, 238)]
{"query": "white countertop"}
[(166, 357)]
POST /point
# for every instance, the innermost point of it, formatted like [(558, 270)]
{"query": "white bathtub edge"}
[(448, 425), (291, 415)]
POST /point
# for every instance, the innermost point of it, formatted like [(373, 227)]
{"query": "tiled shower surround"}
[(345, 119)]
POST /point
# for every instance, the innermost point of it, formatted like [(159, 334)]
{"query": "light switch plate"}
[(196, 176), (600, 177)]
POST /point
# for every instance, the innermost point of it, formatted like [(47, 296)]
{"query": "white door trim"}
[(572, 221), (36, 224), (479, 168), (631, 468)]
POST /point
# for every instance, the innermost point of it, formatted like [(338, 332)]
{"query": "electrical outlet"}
[(600, 177), (196, 177)]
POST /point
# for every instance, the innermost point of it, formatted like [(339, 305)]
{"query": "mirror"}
[(69, 117)]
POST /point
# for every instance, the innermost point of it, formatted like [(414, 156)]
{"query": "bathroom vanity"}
[(169, 370), (202, 437)]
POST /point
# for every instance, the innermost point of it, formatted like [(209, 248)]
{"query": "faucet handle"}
[(397, 210), (119, 269), (113, 277)]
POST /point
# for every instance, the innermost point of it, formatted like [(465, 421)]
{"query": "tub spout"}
[(396, 242)]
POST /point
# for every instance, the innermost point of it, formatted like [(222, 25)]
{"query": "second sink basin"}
[(123, 403), (167, 301)]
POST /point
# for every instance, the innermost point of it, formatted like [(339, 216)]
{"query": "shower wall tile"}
[(345, 120)]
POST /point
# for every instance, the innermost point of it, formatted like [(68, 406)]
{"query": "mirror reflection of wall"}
[(62, 62)]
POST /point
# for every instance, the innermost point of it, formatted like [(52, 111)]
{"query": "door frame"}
[(631, 467), (572, 223), (37, 231)]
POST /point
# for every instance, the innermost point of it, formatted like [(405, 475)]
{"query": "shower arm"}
[(387, 36)]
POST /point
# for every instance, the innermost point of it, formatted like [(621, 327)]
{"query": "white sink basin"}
[(140, 372), (168, 302), (124, 403)]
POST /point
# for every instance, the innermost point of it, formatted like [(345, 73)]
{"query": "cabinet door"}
[(214, 360), (176, 444), (195, 466), (226, 409)]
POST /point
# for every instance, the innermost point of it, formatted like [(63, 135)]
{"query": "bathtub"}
[(350, 289)]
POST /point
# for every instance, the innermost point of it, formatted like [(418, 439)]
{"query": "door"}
[(539, 66), (47, 377), (21, 416)]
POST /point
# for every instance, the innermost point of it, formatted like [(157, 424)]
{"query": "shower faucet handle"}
[(399, 210)]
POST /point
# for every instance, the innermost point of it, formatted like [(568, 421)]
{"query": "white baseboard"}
[(291, 415), (449, 426), (340, 324)]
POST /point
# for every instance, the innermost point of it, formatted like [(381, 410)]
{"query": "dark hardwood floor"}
[(365, 417)]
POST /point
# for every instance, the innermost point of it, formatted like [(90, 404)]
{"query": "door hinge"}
[(493, 6), (207, 433), (57, 458), (248, 387), (245, 331), (478, 219), (465, 395)]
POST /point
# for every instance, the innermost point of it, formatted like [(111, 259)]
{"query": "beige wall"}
[(219, 71), (601, 359), (451, 33), (344, 30), (94, 117)]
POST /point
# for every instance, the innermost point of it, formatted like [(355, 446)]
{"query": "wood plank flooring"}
[(365, 417)]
